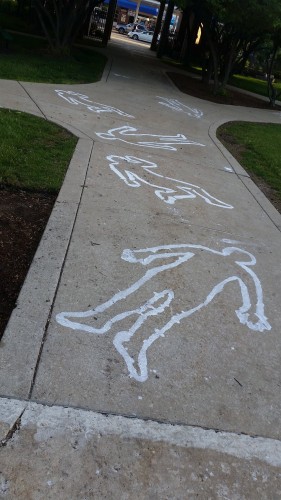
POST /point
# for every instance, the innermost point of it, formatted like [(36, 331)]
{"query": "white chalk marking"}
[(121, 76), (83, 100), (156, 305), (168, 142), (176, 105), (180, 190)]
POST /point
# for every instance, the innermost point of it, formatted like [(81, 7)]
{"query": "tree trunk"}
[(271, 91), (215, 65), (158, 26), (109, 21), (227, 69), (163, 43)]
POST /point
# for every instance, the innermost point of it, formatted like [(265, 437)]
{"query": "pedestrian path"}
[(143, 358)]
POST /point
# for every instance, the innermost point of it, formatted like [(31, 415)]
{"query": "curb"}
[(243, 175), (26, 330)]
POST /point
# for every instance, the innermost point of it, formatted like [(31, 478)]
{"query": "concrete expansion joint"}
[(31, 98), (144, 420), (45, 334), (55, 421), (15, 428)]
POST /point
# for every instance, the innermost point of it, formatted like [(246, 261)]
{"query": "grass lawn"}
[(34, 153), (251, 84), (257, 148), (28, 60)]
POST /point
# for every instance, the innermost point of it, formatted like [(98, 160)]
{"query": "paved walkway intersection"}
[(143, 359)]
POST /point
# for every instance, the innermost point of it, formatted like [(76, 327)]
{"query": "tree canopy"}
[(231, 29)]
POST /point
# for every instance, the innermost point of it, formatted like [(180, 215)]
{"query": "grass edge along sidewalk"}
[(256, 146), (34, 157), (29, 60)]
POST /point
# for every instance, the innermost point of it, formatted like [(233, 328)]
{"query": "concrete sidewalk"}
[(143, 358)]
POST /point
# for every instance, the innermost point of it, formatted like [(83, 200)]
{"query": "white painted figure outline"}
[(76, 99), (168, 142), (174, 256), (180, 190), (121, 76), (176, 105)]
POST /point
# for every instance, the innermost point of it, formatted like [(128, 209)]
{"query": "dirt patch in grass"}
[(23, 217)]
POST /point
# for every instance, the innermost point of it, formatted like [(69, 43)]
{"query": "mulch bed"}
[(196, 88), (24, 215)]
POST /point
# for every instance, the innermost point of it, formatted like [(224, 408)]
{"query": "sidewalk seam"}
[(59, 280), (31, 98), (133, 418), (58, 421)]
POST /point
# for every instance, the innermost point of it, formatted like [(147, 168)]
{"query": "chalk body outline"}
[(185, 189), (182, 253), (176, 105), (166, 142), (80, 99)]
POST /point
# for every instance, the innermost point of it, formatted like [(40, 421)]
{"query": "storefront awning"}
[(144, 9)]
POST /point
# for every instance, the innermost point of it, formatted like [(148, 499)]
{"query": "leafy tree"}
[(230, 31)]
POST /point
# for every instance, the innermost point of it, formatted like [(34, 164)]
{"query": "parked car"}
[(143, 36), (130, 27), (120, 25)]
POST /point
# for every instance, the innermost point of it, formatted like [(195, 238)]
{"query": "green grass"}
[(259, 149), (251, 84), (28, 60), (34, 153)]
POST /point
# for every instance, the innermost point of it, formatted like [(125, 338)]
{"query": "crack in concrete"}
[(15, 428)]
